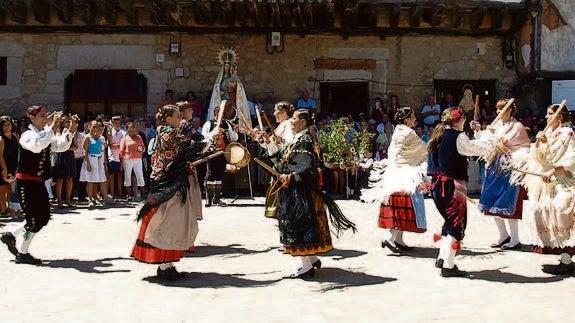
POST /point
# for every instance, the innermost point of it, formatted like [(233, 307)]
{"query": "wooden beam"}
[(497, 16), (127, 6), (456, 16), (394, 15), (41, 10), (477, 17), (64, 10), (415, 16)]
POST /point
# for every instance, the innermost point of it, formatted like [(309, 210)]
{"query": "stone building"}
[(120, 55)]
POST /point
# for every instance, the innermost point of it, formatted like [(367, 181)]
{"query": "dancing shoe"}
[(402, 246), (26, 258), (498, 245), (308, 274), (219, 202), (170, 274), (208, 202), (386, 243), (561, 269), (10, 241), (439, 263), (515, 247), (452, 272), (317, 264)]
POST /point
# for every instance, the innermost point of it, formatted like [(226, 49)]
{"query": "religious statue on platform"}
[(229, 87)]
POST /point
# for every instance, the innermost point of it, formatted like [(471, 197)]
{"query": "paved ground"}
[(236, 275)]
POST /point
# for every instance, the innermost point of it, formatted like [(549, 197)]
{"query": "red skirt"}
[(145, 252), (398, 214), (553, 251)]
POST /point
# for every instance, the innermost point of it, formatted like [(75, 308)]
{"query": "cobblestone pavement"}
[(236, 274)]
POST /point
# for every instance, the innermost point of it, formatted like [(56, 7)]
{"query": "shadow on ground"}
[(86, 266), (211, 280), (340, 279), (340, 254), (496, 275), (233, 250), (423, 252)]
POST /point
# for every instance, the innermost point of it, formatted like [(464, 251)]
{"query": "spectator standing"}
[(115, 134), (131, 152), (430, 112)]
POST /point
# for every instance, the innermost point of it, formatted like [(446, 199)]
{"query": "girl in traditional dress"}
[(547, 170), (402, 207), (169, 215), (451, 146), (303, 224), (499, 198)]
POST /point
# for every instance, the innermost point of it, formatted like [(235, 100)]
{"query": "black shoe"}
[(220, 203), (561, 269), (386, 243), (498, 245), (317, 264), (26, 258), (403, 247), (208, 203), (10, 241), (308, 274), (170, 274), (452, 272), (439, 263), (515, 247)]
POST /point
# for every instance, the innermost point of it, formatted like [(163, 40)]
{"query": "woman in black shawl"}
[(169, 215), (302, 215)]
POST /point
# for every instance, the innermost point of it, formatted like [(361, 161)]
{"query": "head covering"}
[(402, 114), (452, 115), (32, 111)]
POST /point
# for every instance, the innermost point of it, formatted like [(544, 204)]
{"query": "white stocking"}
[(391, 236), (501, 228), (19, 229), (166, 265), (26, 241), (399, 237), (514, 229), (449, 261), (305, 265)]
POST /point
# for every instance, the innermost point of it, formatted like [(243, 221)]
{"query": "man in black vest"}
[(33, 169)]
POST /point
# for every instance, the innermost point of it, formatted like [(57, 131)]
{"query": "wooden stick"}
[(267, 167), (476, 109), (268, 123), (555, 115), (244, 120), (199, 161), (507, 105), (221, 113), (259, 119)]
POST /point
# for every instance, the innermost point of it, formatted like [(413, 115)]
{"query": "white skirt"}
[(98, 173)]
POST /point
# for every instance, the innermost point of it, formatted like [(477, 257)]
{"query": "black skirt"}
[(65, 166)]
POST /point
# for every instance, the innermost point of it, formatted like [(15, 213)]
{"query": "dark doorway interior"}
[(484, 88), (106, 91), (344, 97)]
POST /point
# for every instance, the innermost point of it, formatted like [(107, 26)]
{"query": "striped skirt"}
[(399, 214)]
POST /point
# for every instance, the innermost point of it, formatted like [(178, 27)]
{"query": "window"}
[(3, 71)]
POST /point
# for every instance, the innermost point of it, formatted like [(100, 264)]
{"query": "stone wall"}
[(406, 66)]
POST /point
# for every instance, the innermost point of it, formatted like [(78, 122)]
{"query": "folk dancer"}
[(451, 146), (221, 135), (32, 170), (499, 198), (402, 204), (546, 170), (170, 214), (303, 223), (282, 135)]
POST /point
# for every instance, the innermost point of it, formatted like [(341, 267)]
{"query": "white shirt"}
[(35, 140)]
